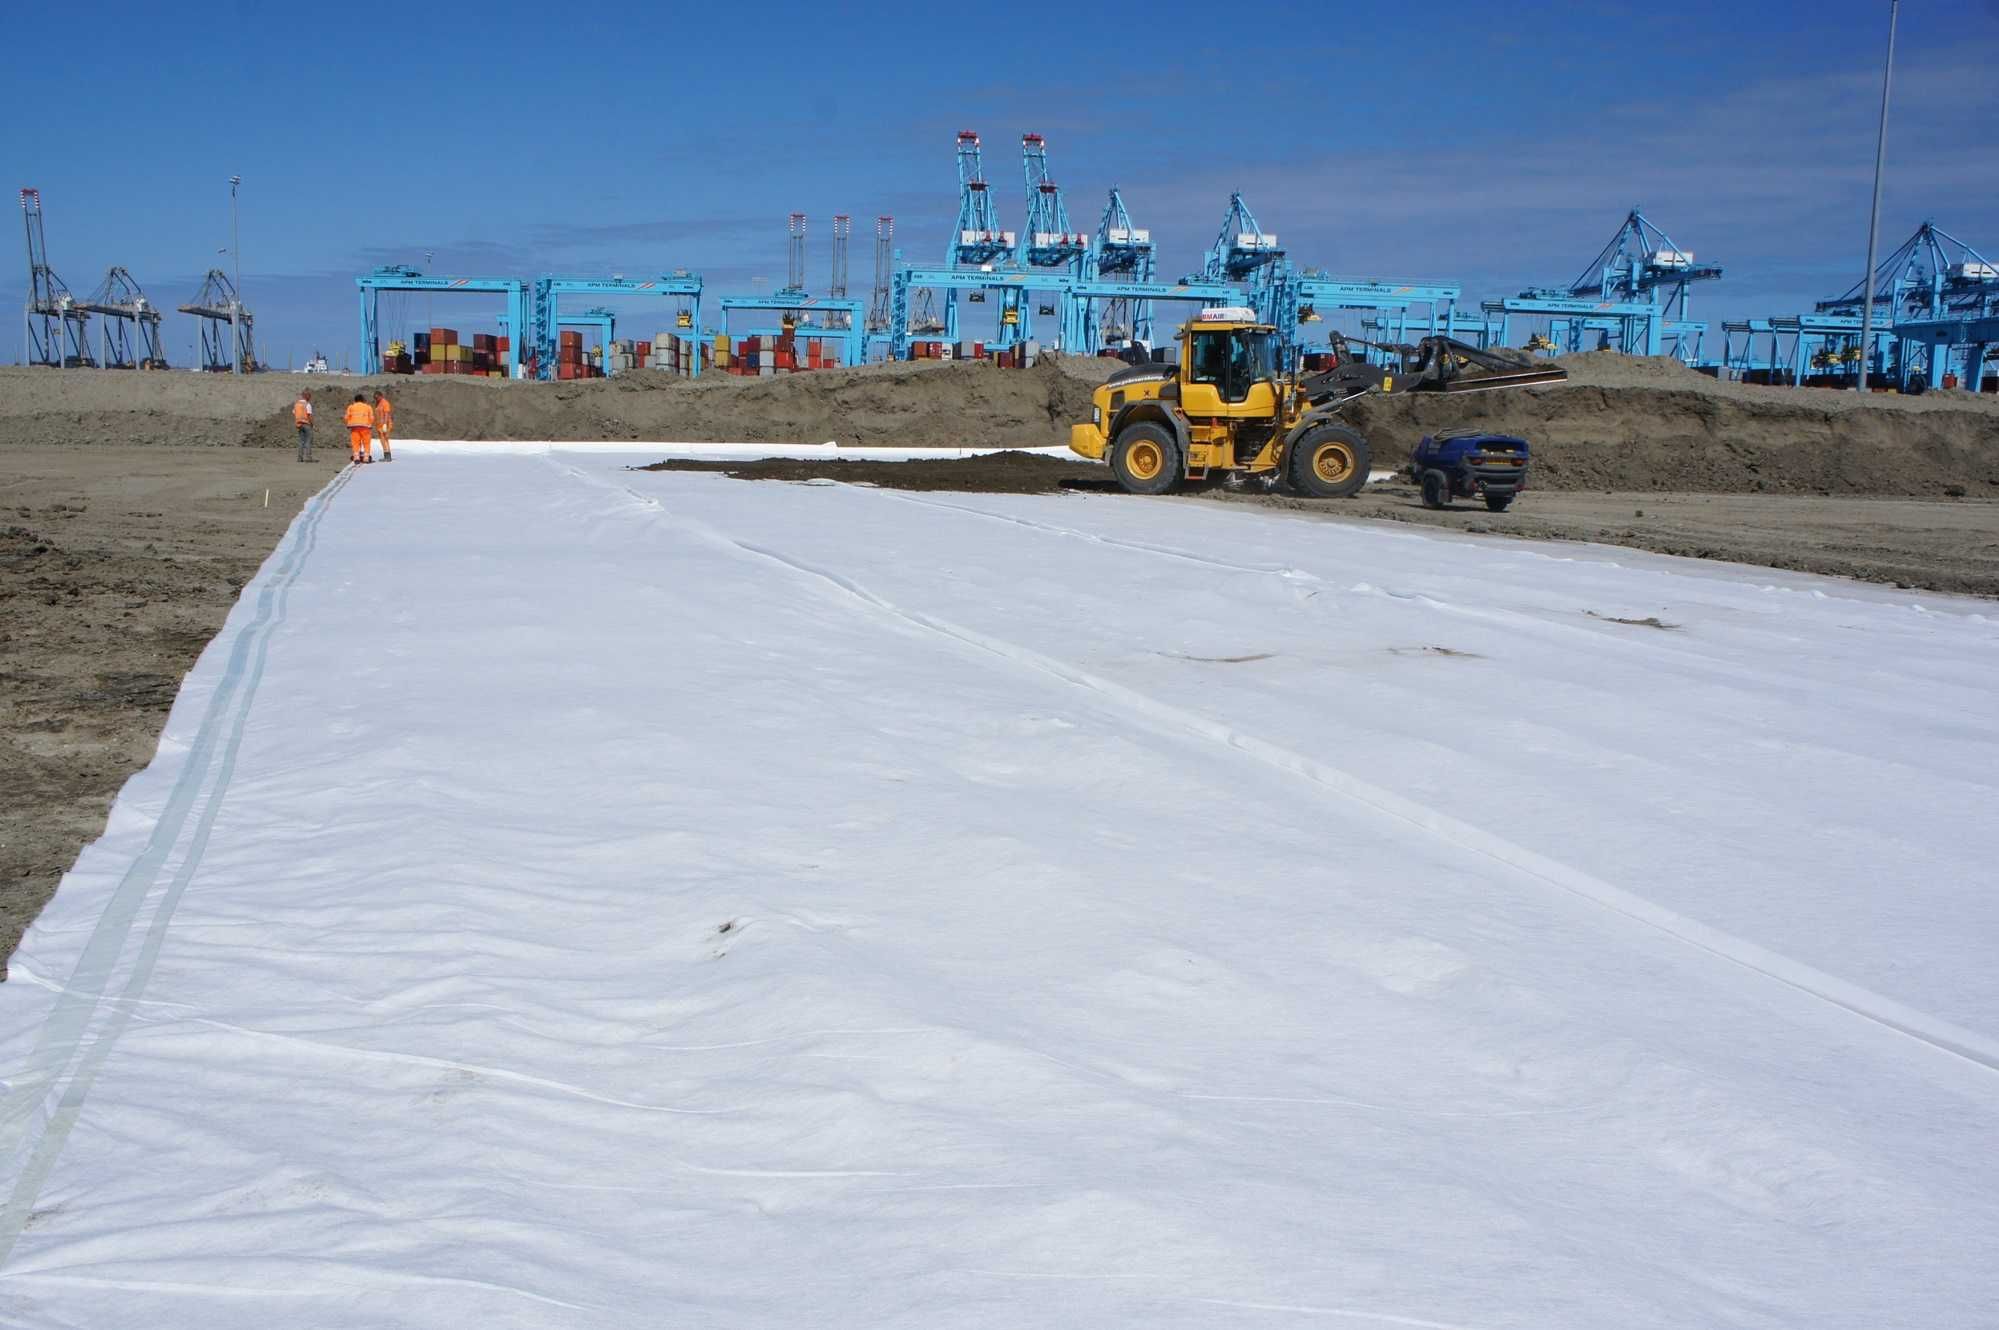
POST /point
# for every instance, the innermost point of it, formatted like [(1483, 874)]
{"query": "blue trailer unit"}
[(1468, 464)]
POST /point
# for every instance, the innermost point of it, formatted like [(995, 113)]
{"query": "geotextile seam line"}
[(1932, 1032)]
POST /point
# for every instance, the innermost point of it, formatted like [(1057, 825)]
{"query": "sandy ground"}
[(1938, 545), (117, 564), (1935, 544), (1621, 423)]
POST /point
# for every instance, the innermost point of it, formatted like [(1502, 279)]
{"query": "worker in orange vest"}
[(385, 422), (360, 424), (302, 417)]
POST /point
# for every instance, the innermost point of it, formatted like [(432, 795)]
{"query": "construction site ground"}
[(564, 891), (133, 506)]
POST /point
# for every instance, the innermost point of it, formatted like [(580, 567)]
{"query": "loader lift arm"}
[(1434, 364)]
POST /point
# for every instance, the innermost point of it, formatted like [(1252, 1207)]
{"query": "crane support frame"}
[(549, 290), (396, 278)]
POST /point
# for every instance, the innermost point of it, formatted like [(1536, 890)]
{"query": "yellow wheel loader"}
[(1224, 408)]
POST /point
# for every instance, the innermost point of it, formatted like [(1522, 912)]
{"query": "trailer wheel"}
[(1436, 489), (1329, 462), (1146, 459), (1498, 503)]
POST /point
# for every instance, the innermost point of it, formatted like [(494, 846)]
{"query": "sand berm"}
[(1621, 423)]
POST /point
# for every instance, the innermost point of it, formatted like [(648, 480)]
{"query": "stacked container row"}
[(767, 354)]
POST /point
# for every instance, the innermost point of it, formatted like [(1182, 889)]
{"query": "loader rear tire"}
[(1436, 489), (1329, 462), (1146, 459)]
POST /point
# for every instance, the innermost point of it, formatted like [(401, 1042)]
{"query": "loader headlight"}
[(1096, 415)]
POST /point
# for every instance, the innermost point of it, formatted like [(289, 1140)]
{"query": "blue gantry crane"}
[(1063, 291), (1935, 299), (1289, 297), (1102, 287), (978, 239), (548, 318), (836, 318), (1242, 249), (1046, 239), (1640, 261), (397, 278), (1803, 350), (842, 321), (1047, 243), (601, 320), (1634, 297), (1940, 298), (1122, 252)]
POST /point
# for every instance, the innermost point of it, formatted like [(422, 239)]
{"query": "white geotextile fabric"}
[(567, 896)]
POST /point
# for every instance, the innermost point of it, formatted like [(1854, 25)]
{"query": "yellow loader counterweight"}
[(1225, 407)]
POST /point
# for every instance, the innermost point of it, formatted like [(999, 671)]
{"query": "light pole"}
[(1874, 215), (236, 248), (429, 297)]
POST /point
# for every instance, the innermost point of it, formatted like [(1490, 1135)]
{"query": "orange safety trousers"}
[(357, 441)]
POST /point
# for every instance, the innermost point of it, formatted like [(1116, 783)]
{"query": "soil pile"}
[(994, 473), (1621, 423), (919, 403), (1639, 425)]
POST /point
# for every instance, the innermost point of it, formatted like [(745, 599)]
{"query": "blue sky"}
[(1496, 145)]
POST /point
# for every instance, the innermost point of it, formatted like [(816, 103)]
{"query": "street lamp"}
[(1874, 216), (236, 245)]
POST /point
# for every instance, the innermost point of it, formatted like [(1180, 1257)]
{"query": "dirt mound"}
[(1621, 423), (995, 473), (1694, 435), (936, 403)]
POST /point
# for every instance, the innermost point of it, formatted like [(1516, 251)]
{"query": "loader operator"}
[(360, 424), (1232, 361), (385, 423)]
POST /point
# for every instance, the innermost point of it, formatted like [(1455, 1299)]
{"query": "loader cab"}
[(1228, 365)]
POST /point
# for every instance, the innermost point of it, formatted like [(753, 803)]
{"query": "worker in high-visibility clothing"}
[(302, 417), (385, 423), (360, 424)]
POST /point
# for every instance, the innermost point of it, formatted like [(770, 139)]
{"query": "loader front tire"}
[(1329, 462), (1146, 459)]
